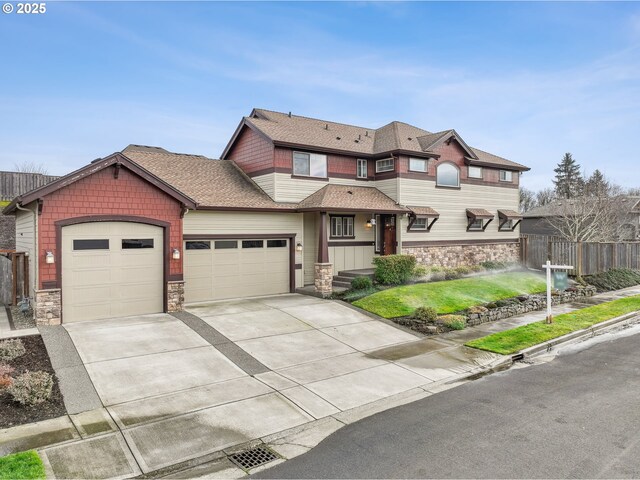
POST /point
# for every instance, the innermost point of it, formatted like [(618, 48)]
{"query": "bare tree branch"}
[(31, 167)]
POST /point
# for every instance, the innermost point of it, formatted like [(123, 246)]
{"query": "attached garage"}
[(221, 268), (111, 269)]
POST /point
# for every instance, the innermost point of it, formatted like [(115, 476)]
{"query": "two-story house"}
[(292, 202)]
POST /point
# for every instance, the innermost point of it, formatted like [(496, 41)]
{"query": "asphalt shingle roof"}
[(211, 183), (347, 197), (312, 132)]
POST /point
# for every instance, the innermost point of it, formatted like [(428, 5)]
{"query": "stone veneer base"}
[(323, 278), (175, 296), (47, 307), (451, 256)]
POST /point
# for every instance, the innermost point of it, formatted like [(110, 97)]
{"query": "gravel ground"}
[(22, 320)]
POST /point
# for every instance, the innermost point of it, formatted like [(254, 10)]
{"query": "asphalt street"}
[(577, 416)]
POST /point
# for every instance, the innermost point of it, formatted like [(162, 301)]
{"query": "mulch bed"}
[(36, 358)]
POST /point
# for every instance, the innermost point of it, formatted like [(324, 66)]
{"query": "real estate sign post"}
[(548, 267)]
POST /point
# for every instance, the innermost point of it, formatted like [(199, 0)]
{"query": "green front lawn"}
[(453, 295), (516, 339), (21, 465)]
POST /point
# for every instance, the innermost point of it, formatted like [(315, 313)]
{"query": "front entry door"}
[(389, 235)]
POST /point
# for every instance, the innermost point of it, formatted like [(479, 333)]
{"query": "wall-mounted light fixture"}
[(298, 247), (371, 222), (49, 258), (175, 254)]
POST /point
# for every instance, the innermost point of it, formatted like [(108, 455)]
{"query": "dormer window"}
[(309, 164), (447, 175)]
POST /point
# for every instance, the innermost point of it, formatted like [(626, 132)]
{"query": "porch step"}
[(366, 272), (341, 284)]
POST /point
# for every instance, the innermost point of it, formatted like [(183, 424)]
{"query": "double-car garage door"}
[(112, 269), (231, 268)]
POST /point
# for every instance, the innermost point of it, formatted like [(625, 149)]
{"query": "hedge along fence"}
[(394, 269)]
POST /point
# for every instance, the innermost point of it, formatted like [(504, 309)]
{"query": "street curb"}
[(574, 336)]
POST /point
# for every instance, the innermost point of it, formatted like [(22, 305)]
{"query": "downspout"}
[(34, 259)]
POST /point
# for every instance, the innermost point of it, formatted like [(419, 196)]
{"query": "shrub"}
[(477, 309), (5, 375), (452, 274), (394, 269), (32, 388), (614, 279), (426, 314), (454, 322), (493, 265), (463, 270), (420, 271), (353, 295), (476, 268), (361, 283), (10, 349), (436, 269), (491, 306)]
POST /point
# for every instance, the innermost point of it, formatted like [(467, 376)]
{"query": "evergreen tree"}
[(569, 182), (597, 185)]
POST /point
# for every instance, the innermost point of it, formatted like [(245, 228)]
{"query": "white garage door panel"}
[(115, 282), (217, 274)]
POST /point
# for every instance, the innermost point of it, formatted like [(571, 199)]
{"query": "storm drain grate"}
[(253, 458)]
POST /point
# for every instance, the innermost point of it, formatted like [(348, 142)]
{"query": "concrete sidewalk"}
[(315, 366)]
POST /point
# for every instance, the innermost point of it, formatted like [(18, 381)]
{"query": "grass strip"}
[(23, 465), (519, 338), (452, 295)]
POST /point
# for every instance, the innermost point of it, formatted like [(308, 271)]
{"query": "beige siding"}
[(288, 189), (357, 256), (238, 223), (389, 187), (25, 242), (266, 183), (452, 205), (310, 246)]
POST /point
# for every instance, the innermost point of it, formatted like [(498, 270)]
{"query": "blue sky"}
[(527, 81)]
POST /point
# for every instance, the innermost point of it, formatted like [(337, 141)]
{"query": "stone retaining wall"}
[(451, 256), (531, 303)]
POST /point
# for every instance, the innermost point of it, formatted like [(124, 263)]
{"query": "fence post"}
[(578, 264)]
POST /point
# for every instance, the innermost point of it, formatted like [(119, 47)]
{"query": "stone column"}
[(323, 278), (175, 296), (47, 307)]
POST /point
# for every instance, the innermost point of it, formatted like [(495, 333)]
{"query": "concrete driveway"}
[(184, 386)]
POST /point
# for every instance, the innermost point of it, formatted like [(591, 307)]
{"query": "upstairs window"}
[(309, 164), (506, 176), (342, 227), (418, 164), (447, 175), (385, 165), (361, 171), (474, 172)]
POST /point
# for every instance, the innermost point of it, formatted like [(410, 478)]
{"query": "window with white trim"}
[(474, 172), (477, 224), (506, 176), (418, 164), (309, 164), (506, 226), (342, 227), (447, 175), (361, 170), (420, 223), (385, 165)]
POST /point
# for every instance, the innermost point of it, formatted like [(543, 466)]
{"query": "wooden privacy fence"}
[(588, 258), (13, 184), (14, 277)]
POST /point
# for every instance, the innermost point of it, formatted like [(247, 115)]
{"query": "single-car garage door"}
[(234, 268), (111, 269)]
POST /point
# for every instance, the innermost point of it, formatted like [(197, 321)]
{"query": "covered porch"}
[(351, 225)]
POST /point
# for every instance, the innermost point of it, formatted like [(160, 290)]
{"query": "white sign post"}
[(548, 267)]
